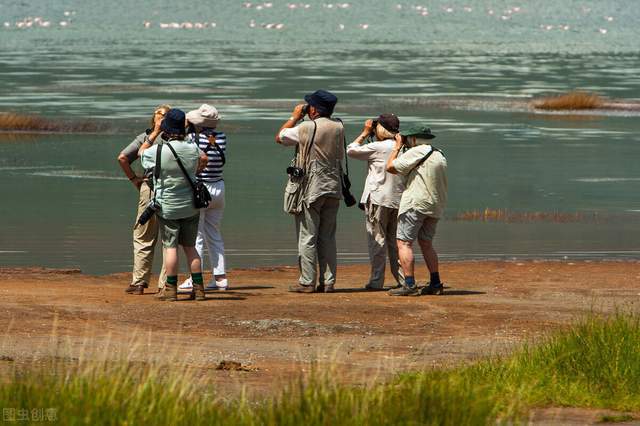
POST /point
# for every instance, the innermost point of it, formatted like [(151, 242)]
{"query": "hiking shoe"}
[(404, 291), (221, 285), (170, 293), (135, 289), (299, 288), (328, 288), (198, 292), (437, 289), (186, 286), (369, 287)]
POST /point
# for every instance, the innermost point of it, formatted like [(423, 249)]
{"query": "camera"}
[(374, 124), (349, 199), (295, 172), (305, 109), (148, 213)]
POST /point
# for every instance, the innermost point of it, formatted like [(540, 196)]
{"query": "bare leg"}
[(193, 259), (171, 261), (429, 254), (405, 253)]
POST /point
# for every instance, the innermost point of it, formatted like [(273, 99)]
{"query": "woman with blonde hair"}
[(381, 197), (144, 236)]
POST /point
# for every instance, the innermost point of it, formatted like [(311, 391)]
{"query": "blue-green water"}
[(467, 73)]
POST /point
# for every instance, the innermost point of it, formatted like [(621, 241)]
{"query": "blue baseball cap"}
[(322, 100), (174, 122)]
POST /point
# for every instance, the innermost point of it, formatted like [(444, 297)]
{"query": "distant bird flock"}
[(420, 10)]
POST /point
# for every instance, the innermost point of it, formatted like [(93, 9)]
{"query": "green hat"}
[(420, 132)]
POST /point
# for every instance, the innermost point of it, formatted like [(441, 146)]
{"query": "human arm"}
[(412, 158), (150, 139), (202, 161), (125, 165), (288, 138), (127, 156), (357, 149), (394, 155)]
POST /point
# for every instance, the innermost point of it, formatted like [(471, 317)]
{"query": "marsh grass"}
[(595, 363), (576, 100), (505, 215), (12, 122)]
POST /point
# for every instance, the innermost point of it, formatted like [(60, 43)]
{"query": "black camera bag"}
[(201, 196)]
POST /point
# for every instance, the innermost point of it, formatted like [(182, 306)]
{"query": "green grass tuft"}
[(594, 364)]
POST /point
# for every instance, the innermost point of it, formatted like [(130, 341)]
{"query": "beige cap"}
[(205, 116)]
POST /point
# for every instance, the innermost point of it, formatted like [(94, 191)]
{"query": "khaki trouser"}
[(381, 223), (144, 243), (316, 229)]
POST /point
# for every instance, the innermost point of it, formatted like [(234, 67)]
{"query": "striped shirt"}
[(213, 171)]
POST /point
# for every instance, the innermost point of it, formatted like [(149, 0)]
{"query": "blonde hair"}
[(383, 133), (164, 108)]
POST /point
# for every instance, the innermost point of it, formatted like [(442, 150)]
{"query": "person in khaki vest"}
[(322, 137)]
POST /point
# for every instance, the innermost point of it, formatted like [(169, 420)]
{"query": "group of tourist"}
[(404, 196)]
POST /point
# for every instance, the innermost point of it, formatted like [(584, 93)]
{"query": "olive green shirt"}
[(173, 191), (426, 185)]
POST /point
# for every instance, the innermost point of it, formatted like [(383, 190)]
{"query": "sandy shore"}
[(488, 307)]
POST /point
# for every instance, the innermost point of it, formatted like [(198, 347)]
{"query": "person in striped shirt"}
[(202, 123)]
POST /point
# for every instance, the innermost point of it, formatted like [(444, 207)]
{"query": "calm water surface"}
[(462, 70)]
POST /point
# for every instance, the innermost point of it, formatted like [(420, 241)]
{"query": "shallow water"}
[(467, 74)]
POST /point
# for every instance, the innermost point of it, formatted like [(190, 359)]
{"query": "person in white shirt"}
[(380, 197), (421, 205)]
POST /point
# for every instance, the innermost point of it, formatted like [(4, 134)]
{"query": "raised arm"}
[(296, 116), (149, 140), (356, 149), (394, 155)]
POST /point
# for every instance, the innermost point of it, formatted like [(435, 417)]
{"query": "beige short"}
[(179, 231), (414, 225)]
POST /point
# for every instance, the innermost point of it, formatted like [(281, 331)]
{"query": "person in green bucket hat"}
[(421, 205)]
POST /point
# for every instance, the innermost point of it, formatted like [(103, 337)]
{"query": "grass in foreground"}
[(595, 363), (570, 101)]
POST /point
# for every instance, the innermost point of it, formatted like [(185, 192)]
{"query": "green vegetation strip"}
[(595, 364)]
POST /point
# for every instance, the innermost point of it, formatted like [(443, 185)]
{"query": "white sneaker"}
[(221, 285), (186, 286)]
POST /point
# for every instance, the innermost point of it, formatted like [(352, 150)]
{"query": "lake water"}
[(466, 72)]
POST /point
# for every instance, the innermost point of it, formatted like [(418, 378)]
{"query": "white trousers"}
[(209, 228)]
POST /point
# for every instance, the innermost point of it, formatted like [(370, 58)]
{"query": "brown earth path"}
[(487, 308)]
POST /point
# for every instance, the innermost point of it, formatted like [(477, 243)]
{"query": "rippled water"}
[(467, 73)]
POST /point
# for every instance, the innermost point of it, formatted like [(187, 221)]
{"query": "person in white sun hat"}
[(202, 124)]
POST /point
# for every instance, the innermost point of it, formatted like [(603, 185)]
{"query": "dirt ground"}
[(488, 307)]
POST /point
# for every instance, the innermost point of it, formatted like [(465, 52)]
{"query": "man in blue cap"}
[(319, 154)]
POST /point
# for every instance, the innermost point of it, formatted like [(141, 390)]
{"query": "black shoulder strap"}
[(181, 166), (344, 143), (156, 168), (426, 157)]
